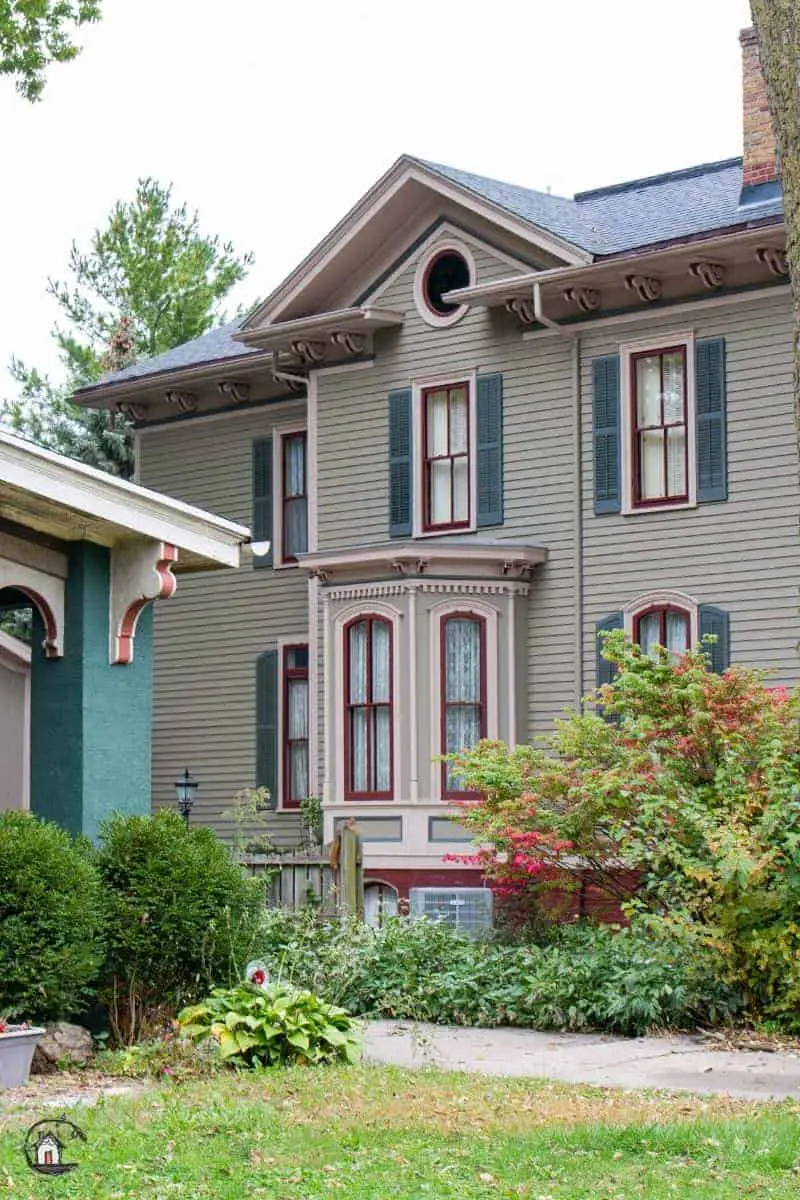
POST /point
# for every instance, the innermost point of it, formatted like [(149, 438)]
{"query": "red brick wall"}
[(759, 141)]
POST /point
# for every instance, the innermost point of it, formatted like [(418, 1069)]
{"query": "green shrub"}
[(692, 788), (51, 920), (584, 977), (272, 1025), (182, 917)]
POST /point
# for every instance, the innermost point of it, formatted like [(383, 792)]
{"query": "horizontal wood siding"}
[(539, 453), (207, 637), (741, 554)]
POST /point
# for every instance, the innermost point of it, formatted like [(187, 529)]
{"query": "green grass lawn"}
[(388, 1134)]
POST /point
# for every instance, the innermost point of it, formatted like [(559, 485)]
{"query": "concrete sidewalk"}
[(675, 1063)]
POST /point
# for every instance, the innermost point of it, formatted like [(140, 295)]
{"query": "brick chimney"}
[(759, 141)]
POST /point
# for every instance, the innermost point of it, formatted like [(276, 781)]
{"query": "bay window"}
[(368, 705), (659, 427), (463, 690), (295, 725), (446, 457)]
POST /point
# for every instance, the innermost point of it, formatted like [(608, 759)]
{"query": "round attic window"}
[(443, 270)]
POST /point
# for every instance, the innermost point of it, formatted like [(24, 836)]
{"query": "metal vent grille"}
[(468, 909)]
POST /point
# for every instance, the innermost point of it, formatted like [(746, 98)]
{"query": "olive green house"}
[(479, 424)]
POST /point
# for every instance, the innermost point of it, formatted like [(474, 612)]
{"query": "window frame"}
[(349, 793), (667, 599), (286, 675), (420, 389), (439, 248), (279, 435), (630, 354), (452, 794), (427, 459), (662, 610)]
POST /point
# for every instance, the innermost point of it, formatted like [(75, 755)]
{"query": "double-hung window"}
[(665, 626), (368, 708), (295, 725), (463, 690), (294, 497), (446, 457), (659, 427)]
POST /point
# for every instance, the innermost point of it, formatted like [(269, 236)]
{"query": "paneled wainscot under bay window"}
[(421, 646)]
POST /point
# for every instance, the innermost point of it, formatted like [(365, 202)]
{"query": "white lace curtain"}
[(676, 628), (462, 686), (370, 692), (297, 737)]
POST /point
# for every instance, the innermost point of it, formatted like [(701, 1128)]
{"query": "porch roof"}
[(67, 501)]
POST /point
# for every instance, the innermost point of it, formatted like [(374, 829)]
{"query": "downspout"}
[(286, 376), (578, 580)]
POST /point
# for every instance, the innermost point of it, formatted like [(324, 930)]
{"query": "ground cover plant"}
[(579, 977), (687, 781), (271, 1025), (373, 1133)]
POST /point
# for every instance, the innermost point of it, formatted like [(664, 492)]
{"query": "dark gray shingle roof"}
[(628, 216), (609, 220), (216, 344)]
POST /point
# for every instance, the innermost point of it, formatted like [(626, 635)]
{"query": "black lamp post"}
[(186, 791)]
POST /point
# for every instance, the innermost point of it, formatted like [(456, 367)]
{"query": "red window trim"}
[(658, 501), (349, 792), (284, 438), (427, 526), (452, 793), (662, 610), (289, 673)]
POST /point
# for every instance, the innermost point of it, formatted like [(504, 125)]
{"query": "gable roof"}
[(604, 221)]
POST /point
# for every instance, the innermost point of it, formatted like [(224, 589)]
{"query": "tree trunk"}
[(777, 26)]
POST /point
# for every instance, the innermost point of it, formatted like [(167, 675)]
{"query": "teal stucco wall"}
[(90, 721)]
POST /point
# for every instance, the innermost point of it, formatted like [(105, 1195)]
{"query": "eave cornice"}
[(333, 327), (704, 264)]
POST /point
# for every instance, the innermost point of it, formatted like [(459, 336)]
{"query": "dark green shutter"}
[(606, 433), (262, 498), (710, 419), (490, 450), (267, 703), (400, 464), (716, 621), (606, 670)]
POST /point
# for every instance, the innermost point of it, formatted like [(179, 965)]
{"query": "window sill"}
[(643, 510), (445, 531)]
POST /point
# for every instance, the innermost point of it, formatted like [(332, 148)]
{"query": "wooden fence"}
[(333, 884)]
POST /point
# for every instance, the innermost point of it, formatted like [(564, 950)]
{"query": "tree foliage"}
[(777, 26), (35, 33), (687, 780), (150, 280)]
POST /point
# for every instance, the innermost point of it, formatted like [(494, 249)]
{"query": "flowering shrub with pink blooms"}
[(686, 780)]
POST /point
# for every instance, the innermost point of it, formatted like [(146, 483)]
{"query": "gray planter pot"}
[(16, 1051)]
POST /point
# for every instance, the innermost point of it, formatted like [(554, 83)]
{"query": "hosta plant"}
[(272, 1025)]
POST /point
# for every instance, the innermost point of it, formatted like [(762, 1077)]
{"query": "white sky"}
[(272, 118)]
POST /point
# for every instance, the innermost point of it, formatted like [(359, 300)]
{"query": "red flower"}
[(259, 977)]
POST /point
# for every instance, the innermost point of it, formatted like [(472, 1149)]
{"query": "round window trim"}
[(425, 309)]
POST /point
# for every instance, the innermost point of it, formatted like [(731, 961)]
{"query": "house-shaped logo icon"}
[(45, 1142)]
